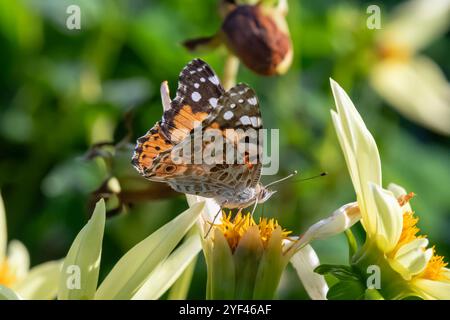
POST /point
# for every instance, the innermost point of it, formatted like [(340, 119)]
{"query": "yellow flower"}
[(391, 227), (245, 258), (39, 282), (233, 229)]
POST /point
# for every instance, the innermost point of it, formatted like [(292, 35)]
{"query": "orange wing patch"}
[(148, 148), (183, 121)]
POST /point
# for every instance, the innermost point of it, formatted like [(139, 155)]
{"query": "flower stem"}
[(230, 71), (352, 245)]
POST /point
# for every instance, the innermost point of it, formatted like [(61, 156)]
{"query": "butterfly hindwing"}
[(148, 148)]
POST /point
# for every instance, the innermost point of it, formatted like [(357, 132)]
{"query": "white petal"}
[(18, 259), (417, 88), (41, 283), (8, 294), (360, 151), (412, 258), (3, 231), (304, 262), (432, 289), (340, 220), (389, 218), (414, 24), (399, 191), (208, 213)]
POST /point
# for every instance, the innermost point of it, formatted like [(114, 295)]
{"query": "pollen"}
[(435, 268), (7, 276), (235, 228), (410, 230)]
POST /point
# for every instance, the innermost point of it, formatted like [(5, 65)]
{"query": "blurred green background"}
[(64, 90)]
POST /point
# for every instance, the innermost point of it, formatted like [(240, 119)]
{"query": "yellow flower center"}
[(409, 231), (393, 51), (7, 276), (234, 229), (435, 267)]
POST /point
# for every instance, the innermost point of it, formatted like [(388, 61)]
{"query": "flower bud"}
[(259, 36)]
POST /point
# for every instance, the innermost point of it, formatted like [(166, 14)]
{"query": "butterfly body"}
[(171, 152)]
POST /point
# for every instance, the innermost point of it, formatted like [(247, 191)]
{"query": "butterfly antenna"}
[(323, 174), (282, 179)]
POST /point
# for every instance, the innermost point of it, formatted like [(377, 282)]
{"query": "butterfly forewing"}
[(198, 92)]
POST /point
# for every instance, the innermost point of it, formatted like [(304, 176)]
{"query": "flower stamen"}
[(234, 229), (7, 276)]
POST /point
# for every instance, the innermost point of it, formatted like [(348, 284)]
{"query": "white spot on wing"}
[(241, 100), (196, 85), (202, 79), (199, 69), (245, 120), (213, 102), (252, 101), (214, 80), (228, 115), (254, 121), (196, 96), (233, 105)]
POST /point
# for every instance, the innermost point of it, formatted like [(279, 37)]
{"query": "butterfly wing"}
[(236, 114), (197, 94)]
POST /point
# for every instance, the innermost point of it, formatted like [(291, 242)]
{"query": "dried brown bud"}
[(259, 37)]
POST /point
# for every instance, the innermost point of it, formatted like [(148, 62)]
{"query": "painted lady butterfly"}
[(201, 103)]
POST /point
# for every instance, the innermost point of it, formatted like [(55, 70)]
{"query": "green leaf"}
[(180, 288), (79, 274), (170, 270), (221, 269), (373, 294), (247, 257), (130, 273), (352, 244), (339, 271), (8, 294), (346, 290), (270, 268)]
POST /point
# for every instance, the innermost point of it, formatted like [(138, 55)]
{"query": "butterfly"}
[(202, 105)]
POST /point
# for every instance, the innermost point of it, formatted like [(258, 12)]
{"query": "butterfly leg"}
[(212, 223), (254, 208)]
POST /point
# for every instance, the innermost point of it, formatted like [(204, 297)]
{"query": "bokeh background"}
[(62, 91)]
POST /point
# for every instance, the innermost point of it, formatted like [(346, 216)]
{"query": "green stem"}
[(352, 245), (230, 71)]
